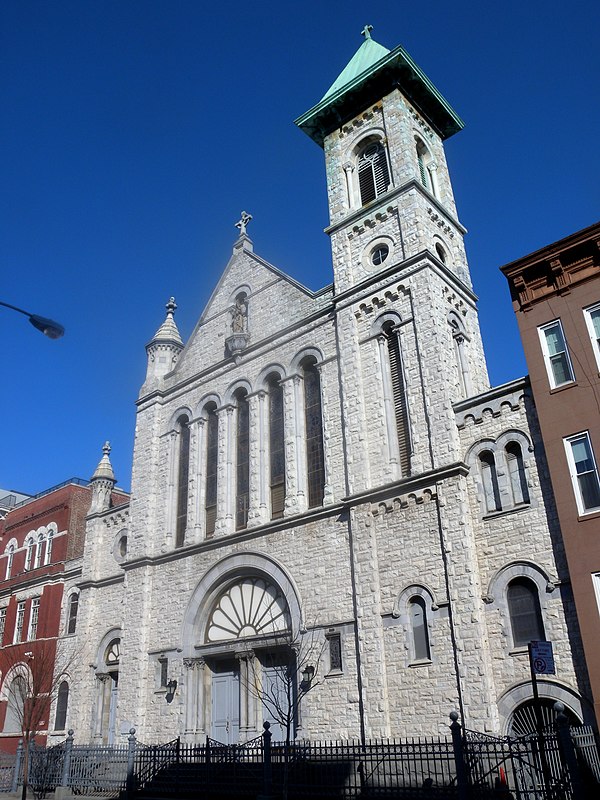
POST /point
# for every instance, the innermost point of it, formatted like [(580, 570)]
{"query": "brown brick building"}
[(41, 545), (556, 297)]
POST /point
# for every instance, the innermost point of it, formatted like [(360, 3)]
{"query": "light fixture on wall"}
[(308, 674), (170, 687)]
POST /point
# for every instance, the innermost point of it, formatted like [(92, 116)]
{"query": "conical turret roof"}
[(104, 470), (168, 331)]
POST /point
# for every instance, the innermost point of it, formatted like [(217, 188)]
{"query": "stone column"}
[(328, 485), (257, 511), (248, 693), (226, 480), (299, 428), (102, 689), (194, 697), (197, 478), (171, 442)]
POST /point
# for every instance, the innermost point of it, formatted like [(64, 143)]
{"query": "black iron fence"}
[(559, 764)]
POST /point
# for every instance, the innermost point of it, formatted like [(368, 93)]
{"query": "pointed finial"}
[(366, 31), (106, 449), (243, 223), (171, 306)]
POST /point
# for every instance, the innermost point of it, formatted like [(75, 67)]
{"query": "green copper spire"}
[(372, 73), (368, 54)]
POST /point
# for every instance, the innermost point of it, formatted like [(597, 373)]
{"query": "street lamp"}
[(51, 329)]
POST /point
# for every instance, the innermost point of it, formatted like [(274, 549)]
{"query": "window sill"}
[(563, 386), (334, 673), (593, 514), (422, 662), (522, 650), (504, 511)]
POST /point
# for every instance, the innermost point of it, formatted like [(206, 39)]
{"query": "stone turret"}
[(102, 482), (165, 346)]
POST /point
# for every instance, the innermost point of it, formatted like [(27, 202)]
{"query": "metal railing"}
[(560, 764)]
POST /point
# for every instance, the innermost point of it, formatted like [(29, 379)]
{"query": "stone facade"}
[(400, 561)]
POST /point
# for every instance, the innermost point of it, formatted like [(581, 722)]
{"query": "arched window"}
[(315, 457), (399, 396), (39, 551), (62, 702), (242, 493), (440, 252), (17, 694), (426, 167), (524, 611), (460, 339), (72, 613), (516, 473), (9, 560), (276, 447), (49, 547), (183, 472), (418, 624), (212, 460), (373, 172), (489, 479), (29, 553)]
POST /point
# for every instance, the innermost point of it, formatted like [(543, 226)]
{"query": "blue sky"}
[(133, 134)]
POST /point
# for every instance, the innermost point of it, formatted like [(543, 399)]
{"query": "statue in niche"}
[(239, 315)]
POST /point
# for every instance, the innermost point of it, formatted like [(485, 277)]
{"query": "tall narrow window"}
[(335, 652), (19, 622), (39, 551), (15, 707), (2, 624), (276, 447), (426, 167), (9, 561), (418, 624), (373, 173), (62, 703), (584, 472), (34, 618), (72, 613), (516, 473), (524, 611), (556, 355), (183, 474), (212, 460), (489, 478), (315, 457), (49, 541), (29, 554), (592, 319), (242, 493), (399, 397)]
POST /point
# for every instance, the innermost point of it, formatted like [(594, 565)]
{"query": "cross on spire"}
[(243, 222), (366, 31)]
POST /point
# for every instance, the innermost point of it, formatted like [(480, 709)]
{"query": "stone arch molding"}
[(218, 578), (545, 583), (20, 670), (172, 424), (548, 690), (414, 590), (100, 664)]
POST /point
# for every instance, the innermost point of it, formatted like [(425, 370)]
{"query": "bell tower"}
[(382, 125)]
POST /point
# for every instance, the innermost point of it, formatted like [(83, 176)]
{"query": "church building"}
[(325, 487)]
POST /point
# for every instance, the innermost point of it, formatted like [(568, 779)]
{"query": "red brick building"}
[(41, 545), (556, 297)]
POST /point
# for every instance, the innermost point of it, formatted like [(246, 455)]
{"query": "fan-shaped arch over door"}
[(242, 628)]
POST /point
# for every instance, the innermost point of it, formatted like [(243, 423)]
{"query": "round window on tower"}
[(378, 253)]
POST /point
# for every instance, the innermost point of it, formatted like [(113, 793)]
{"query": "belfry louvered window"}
[(276, 448), (315, 459), (373, 173), (426, 167), (242, 461), (212, 450), (183, 473), (399, 397)]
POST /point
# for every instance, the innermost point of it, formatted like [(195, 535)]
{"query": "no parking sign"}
[(542, 658)]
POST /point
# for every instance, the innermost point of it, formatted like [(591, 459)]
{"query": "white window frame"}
[(596, 582), (2, 624), (547, 357), (569, 441), (587, 313), (34, 617), (19, 622)]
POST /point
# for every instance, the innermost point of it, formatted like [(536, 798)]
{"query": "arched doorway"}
[(107, 688), (252, 616), (524, 719)]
